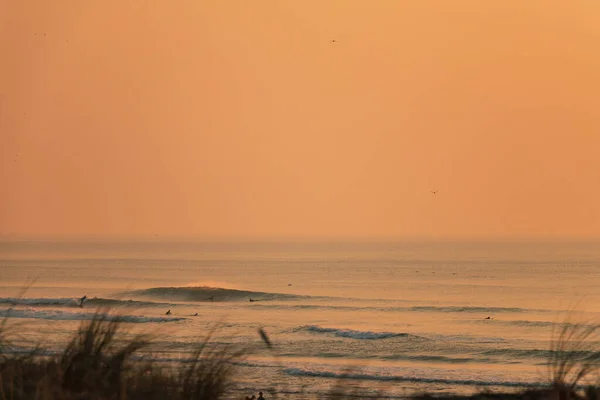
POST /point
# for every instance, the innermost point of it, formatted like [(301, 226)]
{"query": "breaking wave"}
[(406, 378), (354, 334), (203, 293), (61, 315)]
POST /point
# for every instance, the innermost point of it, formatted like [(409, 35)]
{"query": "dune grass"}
[(575, 358), (573, 366), (95, 365)]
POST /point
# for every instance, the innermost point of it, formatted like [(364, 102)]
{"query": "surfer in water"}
[(168, 312), (252, 300), (82, 300)]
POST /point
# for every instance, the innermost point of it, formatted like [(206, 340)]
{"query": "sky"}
[(300, 119)]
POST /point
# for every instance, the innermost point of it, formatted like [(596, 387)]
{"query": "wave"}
[(535, 353), (61, 315), (354, 334), (469, 309), (406, 378), (544, 324), (204, 293), (401, 357), (534, 324), (72, 302), (64, 302), (218, 294), (441, 309)]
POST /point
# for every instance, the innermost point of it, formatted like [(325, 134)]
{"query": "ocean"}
[(403, 317)]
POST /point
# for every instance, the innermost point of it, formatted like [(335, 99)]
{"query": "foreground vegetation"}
[(96, 366)]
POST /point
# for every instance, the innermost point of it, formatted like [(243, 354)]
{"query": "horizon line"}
[(291, 239)]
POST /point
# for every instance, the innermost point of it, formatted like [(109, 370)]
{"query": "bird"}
[(434, 191), (333, 41)]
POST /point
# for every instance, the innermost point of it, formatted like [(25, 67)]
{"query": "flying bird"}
[(434, 191)]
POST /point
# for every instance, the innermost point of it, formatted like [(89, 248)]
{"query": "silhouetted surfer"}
[(252, 300), (168, 312), (211, 298), (82, 300), (195, 315)]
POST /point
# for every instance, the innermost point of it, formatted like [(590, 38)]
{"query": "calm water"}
[(397, 316)]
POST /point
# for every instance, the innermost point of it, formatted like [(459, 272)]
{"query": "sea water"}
[(401, 317)]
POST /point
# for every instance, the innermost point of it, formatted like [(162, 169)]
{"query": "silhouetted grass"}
[(95, 365), (575, 357)]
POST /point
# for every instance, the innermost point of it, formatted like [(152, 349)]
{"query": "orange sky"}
[(220, 118)]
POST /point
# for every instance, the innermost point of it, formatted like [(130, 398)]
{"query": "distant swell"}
[(61, 315), (403, 378), (353, 334), (208, 294)]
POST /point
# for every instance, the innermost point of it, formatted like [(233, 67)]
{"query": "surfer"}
[(195, 315), (251, 300), (82, 300), (211, 298), (168, 312)]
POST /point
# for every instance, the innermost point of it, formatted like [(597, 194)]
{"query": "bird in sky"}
[(434, 191)]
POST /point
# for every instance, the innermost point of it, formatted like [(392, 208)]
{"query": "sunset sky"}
[(221, 119)]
